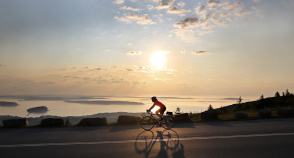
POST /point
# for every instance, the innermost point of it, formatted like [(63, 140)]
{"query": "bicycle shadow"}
[(169, 144)]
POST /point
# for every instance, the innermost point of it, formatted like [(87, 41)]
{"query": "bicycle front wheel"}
[(147, 123), (168, 122)]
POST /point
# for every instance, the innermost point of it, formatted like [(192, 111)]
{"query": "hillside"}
[(272, 103)]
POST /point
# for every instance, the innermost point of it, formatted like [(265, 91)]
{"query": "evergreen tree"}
[(178, 110), (261, 97), (239, 100), (210, 108), (287, 93), (277, 95)]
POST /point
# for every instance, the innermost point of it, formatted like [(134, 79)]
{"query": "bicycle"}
[(147, 122)]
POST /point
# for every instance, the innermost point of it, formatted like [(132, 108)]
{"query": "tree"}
[(239, 100), (261, 97), (287, 93), (261, 103), (277, 95), (210, 108), (178, 110)]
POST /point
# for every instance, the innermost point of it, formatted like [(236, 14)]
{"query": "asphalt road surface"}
[(237, 139)]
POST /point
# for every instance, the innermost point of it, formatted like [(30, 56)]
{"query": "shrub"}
[(93, 121), (240, 116), (209, 115), (52, 122), (263, 113), (15, 123)]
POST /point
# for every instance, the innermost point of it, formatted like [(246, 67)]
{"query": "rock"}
[(263, 113), (93, 121), (209, 115), (182, 118), (286, 112), (240, 115), (52, 122), (126, 120), (15, 123)]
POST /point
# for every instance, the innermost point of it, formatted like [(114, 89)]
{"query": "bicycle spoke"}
[(147, 123), (168, 122)]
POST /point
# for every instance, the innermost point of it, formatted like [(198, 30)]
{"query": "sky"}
[(224, 48)]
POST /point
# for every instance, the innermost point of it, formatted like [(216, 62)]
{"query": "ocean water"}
[(72, 106)]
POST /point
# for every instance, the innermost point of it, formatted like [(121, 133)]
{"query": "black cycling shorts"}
[(160, 110)]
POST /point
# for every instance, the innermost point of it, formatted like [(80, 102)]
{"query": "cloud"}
[(164, 4), (150, 7), (98, 69), (47, 98), (181, 4), (143, 20), (106, 102), (134, 53), (231, 98), (199, 52), (208, 16), (175, 10), (188, 22), (201, 20), (212, 2), (186, 34), (183, 51), (119, 1), (200, 9), (130, 8), (111, 77), (8, 104), (243, 13)]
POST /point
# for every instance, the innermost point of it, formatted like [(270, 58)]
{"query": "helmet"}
[(154, 98)]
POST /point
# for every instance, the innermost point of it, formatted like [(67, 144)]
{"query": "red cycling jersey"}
[(158, 103)]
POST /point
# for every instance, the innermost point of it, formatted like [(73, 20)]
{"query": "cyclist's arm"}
[(152, 107)]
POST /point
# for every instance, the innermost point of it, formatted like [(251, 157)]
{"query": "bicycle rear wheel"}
[(168, 122), (147, 123)]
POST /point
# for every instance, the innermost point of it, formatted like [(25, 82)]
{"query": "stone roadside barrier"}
[(93, 121), (15, 123)]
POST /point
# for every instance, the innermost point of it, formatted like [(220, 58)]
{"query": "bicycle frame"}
[(166, 121), (152, 116)]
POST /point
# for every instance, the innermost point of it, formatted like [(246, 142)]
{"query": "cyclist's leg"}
[(162, 110), (159, 113)]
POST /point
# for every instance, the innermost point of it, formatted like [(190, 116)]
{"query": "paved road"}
[(258, 138)]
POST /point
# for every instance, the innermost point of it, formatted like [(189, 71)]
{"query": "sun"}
[(158, 58)]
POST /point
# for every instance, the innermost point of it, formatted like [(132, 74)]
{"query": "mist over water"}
[(79, 106)]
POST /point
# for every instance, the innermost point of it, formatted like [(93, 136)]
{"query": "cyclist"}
[(161, 109)]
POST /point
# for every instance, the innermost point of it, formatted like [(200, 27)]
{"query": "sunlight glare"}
[(158, 59), (155, 109)]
